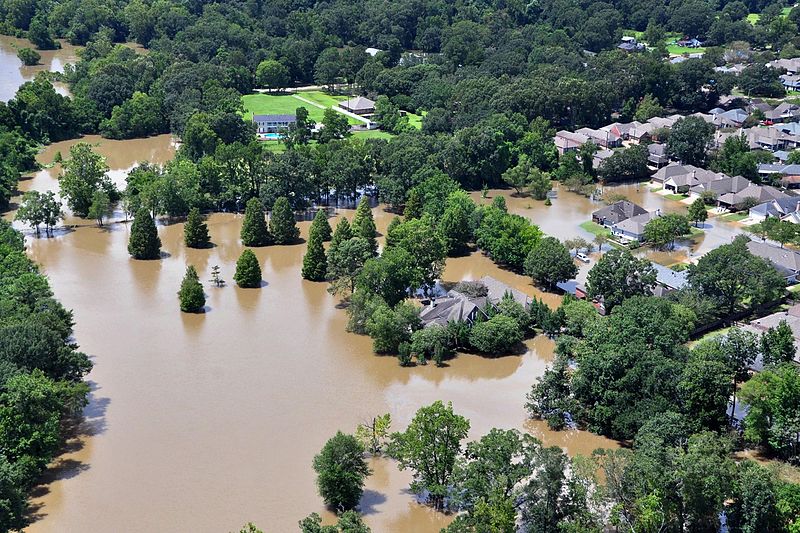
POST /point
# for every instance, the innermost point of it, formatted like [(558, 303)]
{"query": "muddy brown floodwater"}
[(205, 422), (13, 73)]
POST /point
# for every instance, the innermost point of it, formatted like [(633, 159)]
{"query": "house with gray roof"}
[(784, 112), (459, 306), (668, 280), (602, 138), (786, 261), (632, 229), (273, 123), (617, 212), (760, 326), (792, 66), (782, 208), (721, 186), (758, 194), (567, 141), (358, 105), (657, 155)]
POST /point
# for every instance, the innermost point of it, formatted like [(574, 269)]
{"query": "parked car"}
[(583, 258)]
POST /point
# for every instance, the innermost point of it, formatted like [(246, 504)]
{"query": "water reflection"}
[(13, 73)]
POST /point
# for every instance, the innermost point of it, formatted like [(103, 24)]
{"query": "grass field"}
[(594, 228), (675, 197), (734, 217), (287, 104), (752, 18), (416, 120)]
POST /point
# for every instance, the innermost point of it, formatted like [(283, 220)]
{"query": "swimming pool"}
[(269, 136)]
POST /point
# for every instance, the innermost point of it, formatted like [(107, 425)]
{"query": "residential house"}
[(720, 187), (629, 44), (668, 280), (602, 138), (461, 307), (781, 155), (789, 174), (358, 105), (755, 193), (731, 119), (759, 326), (770, 139), (657, 155), (790, 82), (690, 43), (786, 261), (617, 212), (665, 122), (679, 178), (373, 51), (632, 229), (600, 156), (784, 112), (273, 123), (733, 69), (621, 130), (792, 66), (567, 141), (782, 208)]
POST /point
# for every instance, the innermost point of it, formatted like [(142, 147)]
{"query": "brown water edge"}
[(13, 73)]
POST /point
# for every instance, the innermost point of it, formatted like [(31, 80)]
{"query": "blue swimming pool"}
[(269, 136)]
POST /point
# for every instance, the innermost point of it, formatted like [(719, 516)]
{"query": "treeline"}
[(670, 479), (41, 371)]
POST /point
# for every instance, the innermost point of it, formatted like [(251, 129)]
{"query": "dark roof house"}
[(358, 105), (617, 212)]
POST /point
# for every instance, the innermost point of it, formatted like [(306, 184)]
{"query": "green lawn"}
[(372, 134), (416, 120), (322, 98), (675, 197), (594, 228), (752, 18), (287, 104), (674, 49), (734, 217)]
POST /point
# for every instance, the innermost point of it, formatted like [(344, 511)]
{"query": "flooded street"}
[(13, 73)]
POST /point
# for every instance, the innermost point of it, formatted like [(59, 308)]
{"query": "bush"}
[(28, 56), (248, 271), (496, 336)]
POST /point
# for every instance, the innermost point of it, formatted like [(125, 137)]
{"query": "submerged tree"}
[(144, 242), (341, 471), (100, 208), (254, 227), (321, 225), (315, 262), (248, 271), (191, 293), (195, 231), (364, 225), (282, 224)]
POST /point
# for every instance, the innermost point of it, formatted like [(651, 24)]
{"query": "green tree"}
[(739, 349), (38, 208), (389, 327), (755, 500), (430, 447), (373, 435), (388, 115), (321, 225), (664, 230), (456, 225), (28, 56), (144, 242), (254, 227), (425, 244), (730, 275), (343, 232), (648, 108), (777, 345), (413, 207), (550, 397), (248, 271), (191, 294), (341, 471), (697, 211), (689, 140), (84, 174), (549, 263), (195, 231), (315, 262), (618, 275), (272, 74), (334, 126), (364, 224), (704, 389), (518, 177), (774, 399), (345, 261), (391, 276), (496, 336), (282, 225), (349, 522), (100, 208), (540, 184)]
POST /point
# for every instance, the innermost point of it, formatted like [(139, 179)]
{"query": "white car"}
[(583, 258)]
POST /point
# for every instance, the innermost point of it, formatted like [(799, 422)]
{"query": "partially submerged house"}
[(760, 326), (567, 141), (754, 193), (668, 280), (782, 208), (632, 229), (617, 212), (468, 305)]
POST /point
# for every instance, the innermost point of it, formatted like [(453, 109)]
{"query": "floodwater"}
[(13, 73), (205, 422)]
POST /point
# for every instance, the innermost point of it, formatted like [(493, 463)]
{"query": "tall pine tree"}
[(144, 242), (254, 226), (315, 263), (364, 225), (195, 231), (413, 208), (282, 224), (321, 225), (342, 233), (191, 293)]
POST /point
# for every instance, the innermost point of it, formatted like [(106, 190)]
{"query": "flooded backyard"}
[(204, 422)]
